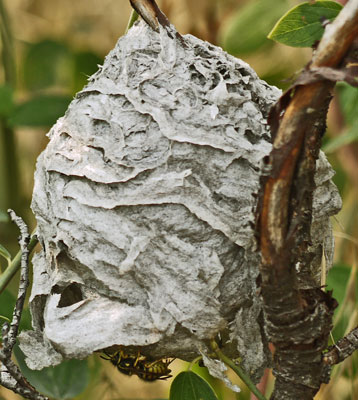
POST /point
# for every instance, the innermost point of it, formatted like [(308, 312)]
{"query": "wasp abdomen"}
[(130, 364)]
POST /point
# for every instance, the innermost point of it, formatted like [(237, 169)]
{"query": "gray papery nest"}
[(145, 199)]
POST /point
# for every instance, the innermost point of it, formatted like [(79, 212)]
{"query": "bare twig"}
[(11, 376), (150, 12), (342, 349), (298, 321), (24, 279), (153, 16)]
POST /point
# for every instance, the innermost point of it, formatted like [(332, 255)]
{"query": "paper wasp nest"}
[(145, 199)]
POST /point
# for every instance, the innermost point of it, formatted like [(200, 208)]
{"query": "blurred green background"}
[(48, 50)]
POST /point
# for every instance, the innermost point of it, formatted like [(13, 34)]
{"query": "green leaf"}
[(65, 381), (190, 386), (6, 100), (47, 63), (302, 26), (247, 30), (5, 253), (40, 111)]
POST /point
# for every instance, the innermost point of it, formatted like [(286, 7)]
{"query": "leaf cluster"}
[(51, 72)]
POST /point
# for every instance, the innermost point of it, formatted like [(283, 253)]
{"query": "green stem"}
[(15, 264), (237, 369), (11, 187), (132, 19), (8, 57), (11, 197), (191, 365)]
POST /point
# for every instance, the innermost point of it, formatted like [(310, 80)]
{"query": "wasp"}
[(131, 364)]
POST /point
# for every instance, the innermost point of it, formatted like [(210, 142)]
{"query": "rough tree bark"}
[(298, 321)]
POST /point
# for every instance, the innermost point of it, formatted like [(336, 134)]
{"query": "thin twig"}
[(342, 349), (15, 378), (9, 383), (153, 16), (11, 376), (24, 279)]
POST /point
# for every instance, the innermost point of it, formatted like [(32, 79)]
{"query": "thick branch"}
[(298, 118), (298, 321), (338, 37)]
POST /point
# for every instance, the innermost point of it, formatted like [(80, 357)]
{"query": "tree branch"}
[(342, 349), (10, 375), (298, 321)]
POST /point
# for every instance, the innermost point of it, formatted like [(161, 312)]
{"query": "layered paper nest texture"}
[(145, 200)]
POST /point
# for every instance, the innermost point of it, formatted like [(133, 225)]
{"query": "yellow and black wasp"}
[(131, 364)]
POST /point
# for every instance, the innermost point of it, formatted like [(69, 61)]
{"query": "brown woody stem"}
[(298, 321)]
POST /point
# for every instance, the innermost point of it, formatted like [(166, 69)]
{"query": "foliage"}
[(51, 70), (39, 111), (51, 73), (48, 65), (189, 385), (65, 381), (304, 24)]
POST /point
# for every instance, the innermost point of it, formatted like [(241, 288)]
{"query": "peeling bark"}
[(298, 320)]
